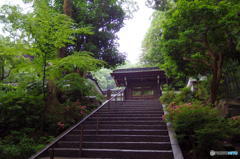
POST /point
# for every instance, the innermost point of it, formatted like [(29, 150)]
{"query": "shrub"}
[(20, 147), (169, 96), (6, 87), (73, 86), (185, 95), (19, 109), (203, 91), (234, 124), (199, 125)]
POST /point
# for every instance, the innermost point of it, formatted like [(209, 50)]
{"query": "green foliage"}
[(151, 44), (6, 88), (230, 87), (81, 61), (74, 84), (10, 56), (24, 148), (105, 18), (159, 4), (167, 97), (18, 145), (18, 104), (154, 54), (194, 37), (183, 96), (199, 128), (104, 78), (202, 91), (234, 123), (104, 75), (29, 70), (40, 32)]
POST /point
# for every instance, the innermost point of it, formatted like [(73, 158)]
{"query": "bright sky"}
[(15, 2), (131, 35)]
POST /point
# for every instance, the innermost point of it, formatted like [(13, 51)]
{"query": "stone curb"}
[(177, 152)]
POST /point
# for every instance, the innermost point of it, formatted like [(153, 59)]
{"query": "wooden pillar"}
[(109, 94)]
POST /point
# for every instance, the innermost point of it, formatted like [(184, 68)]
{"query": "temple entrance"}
[(140, 83), (142, 92)]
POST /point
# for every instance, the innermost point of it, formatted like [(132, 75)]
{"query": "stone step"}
[(117, 145), (130, 111), (124, 126), (124, 118), (118, 138), (126, 130), (114, 153), (122, 131), (127, 115), (137, 104), (72, 158), (134, 106), (128, 122)]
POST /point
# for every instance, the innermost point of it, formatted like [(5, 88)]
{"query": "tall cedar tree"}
[(105, 18)]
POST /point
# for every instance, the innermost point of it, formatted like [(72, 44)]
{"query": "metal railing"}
[(50, 147)]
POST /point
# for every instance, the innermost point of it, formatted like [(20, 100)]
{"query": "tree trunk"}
[(217, 74), (67, 8), (2, 72), (43, 114), (62, 52)]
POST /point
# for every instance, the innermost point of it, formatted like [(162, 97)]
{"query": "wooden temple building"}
[(140, 83)]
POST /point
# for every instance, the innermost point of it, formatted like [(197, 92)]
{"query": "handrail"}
[(74, 127)]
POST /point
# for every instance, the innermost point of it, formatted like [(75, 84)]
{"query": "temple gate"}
[(140, 83)]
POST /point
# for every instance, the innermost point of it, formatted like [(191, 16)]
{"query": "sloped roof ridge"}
[(137, 69)]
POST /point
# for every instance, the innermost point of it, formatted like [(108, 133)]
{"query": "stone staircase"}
[(125, 130)]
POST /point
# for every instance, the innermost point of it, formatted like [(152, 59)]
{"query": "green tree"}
[(155, 55), (11, 55), (199, 36), (45, 31), (105, 79), (105, 18), (159, 4)]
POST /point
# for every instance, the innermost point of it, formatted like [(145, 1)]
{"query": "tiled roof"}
[(130, 70)]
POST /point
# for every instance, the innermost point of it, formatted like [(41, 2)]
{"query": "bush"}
[(73, 87), (199, 128), (19, 109), (169, 96), (185, 95), (19, 144), (234, 123), (203, 91), (20, 147), (6, 87)]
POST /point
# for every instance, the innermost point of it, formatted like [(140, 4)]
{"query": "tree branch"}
[(210, 52), (197, 60)]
